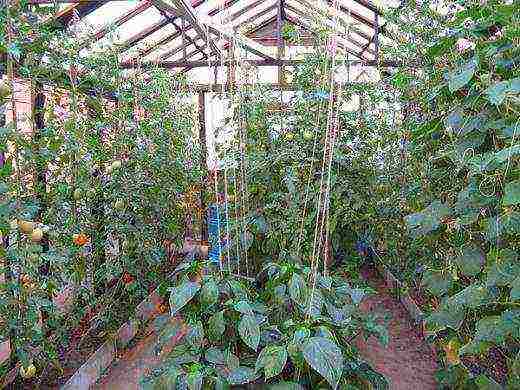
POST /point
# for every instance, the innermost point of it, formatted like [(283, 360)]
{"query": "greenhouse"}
[(260, 194)]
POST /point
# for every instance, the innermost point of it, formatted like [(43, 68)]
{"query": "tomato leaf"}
[(471, 260), (511, 193)]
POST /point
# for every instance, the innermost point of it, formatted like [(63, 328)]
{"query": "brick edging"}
[(90, 372), (411, 307)]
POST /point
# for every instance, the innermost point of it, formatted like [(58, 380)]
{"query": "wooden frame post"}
[(203, 164), (231, 68), (376, 37), (280, 42)]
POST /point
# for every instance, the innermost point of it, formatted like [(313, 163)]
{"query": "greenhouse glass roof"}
[(185, 34)]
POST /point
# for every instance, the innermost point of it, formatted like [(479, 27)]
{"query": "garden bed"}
[(84, 357)]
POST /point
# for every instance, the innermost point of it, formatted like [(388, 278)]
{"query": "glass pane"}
[(108, 13)]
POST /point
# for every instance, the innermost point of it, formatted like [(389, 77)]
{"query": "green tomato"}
[(289, 136), (78, 194), (116, 164), (308, 135), (5, 90), (119, 205)]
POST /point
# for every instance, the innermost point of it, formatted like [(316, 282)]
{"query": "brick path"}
[(408, 362)]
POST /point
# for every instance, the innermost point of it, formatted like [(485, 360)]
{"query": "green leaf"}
[(241, 376), (249, 330), (504, 270), (300, 336), (485, 383), (497, 93), (514, 375), (209, 293), (463, 75), (325, 332), (428, 220), (286, 386), (472, 296), (471, 260), (195, 335), (447, 315), (181, 295), (325, 357), (511, 193), (511, 322), (243, 307), (216, 326), (272, 359), (515, 290), (194, 380), (297, 289), (491, 329), (214, 355), (239, 291), (438, 282), (357, 295)]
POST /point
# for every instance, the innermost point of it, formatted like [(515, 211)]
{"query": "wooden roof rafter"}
[(242, 11), (310, 30), (349, 39), (184, 45), (187, 11), (79, 9), (359, 17), (256, 16), (135, 39), (137, 10), (171, 37)]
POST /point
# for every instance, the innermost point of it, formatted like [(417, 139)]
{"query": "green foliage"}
[(247, 334), (105, 184), (463, 111)]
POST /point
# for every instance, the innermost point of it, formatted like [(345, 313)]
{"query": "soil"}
[(408, 361)]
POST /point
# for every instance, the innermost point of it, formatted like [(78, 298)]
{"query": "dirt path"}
[(408, 362)]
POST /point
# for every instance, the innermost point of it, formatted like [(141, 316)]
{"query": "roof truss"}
[(203, 26)]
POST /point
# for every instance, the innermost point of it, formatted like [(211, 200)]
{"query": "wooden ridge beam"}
[(349, 39), (228, 33), (263, 62)]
